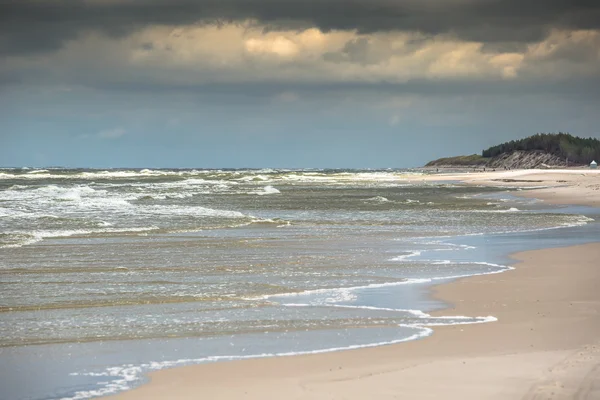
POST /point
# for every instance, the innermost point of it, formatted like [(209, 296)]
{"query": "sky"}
[(290, 83)]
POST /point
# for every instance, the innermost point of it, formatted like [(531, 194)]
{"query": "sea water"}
[(106, 275)]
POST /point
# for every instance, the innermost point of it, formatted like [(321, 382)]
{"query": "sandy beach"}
[(558, 186), (545, 344)]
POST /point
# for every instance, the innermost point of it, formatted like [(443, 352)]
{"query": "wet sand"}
[(545, 344)]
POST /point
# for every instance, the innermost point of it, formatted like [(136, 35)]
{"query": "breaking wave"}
[(268, 190)]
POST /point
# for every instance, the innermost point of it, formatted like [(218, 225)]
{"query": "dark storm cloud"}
[(43, 25)]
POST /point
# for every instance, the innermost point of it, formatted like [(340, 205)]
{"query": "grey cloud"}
[(356, 51), (29, 26), (504, 47)]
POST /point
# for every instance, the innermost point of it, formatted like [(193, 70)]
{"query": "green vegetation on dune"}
[(472, 160), (577, 150), (541, 150)]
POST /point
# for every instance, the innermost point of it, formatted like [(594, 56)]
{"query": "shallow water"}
[(108, 274)]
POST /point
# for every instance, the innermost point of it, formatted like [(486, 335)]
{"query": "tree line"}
[(577, 150)]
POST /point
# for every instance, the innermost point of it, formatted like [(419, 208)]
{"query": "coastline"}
[(543, 344), (575, 186)]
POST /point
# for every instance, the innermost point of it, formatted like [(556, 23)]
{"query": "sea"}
[(106, 275)]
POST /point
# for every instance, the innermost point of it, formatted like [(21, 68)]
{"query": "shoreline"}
[(543, 344), (576, 186)]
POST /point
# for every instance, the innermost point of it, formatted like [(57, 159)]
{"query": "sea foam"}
[(268, 190), (124, 377)]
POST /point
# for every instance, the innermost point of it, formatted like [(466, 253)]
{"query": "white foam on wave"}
[(268, 190), (197, 211), (251, 178), (27, 211), (31, 237), (81, 196), (416, 313), (12, 213), (467, 321), (438, 321), (501, 269), (20, 192), (300, 177), (73, 194), (403, 257), (153, 172), (377, 199), (509, 210), (199, 182), (279, 222), (377, 176), (124, 377), (344, 292), (163, 196), (578, 220), (582, 219), (179, 189), (245, 175), (100, 174), (340, 294), (449, 246), (125, 174)]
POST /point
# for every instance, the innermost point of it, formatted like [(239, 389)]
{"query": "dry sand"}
[(545, 344), (556, 186)]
